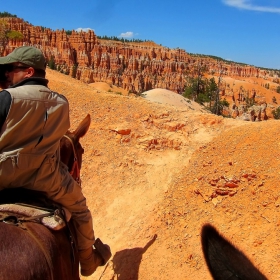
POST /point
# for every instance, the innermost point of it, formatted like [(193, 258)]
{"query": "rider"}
[(33, 119)]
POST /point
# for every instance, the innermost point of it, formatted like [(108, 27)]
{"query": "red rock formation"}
[(136, 67)]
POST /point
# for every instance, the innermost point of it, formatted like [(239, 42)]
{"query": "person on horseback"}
[(33, 119)]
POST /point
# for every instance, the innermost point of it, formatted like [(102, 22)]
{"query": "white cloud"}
[(83, 29), (248, 5), (127, 34)]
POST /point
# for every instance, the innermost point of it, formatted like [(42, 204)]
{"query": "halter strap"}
[(75, 167)]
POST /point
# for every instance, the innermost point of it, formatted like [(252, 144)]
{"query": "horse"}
[(29, 250), (224, 260)]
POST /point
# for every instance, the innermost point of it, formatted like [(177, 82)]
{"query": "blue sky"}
[(245, 31)]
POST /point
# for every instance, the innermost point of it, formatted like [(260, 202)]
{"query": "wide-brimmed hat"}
[(30, 56)]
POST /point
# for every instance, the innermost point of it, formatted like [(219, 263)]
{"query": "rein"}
[(75, 171)]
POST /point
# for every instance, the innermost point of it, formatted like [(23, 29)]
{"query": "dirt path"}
[(154, 169)]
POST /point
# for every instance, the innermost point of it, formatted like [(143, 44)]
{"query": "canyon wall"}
[(136, 67)]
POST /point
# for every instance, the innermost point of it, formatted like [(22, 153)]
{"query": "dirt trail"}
[(154, 169)]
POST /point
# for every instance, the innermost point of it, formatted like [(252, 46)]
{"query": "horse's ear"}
[(83, 127), (223, 259)]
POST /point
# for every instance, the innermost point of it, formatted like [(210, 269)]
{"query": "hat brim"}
[(7, 60)]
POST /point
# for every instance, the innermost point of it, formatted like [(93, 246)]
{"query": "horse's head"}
[(71, 150), (224, 260)]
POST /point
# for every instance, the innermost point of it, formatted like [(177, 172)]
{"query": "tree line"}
[(6, 14), (121, 39)]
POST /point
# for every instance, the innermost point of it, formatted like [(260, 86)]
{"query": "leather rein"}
[(75, 171)]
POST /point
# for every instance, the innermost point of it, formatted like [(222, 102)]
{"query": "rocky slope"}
[(154, 173)]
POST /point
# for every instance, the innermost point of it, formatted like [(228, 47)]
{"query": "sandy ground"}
[(154, 173), (167, 97)]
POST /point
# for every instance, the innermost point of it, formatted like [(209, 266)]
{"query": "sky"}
[(246, 31)]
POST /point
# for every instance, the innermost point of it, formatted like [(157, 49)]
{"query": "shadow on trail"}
[(126, 263)]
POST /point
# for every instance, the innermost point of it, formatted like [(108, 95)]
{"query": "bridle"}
[(75, 171)]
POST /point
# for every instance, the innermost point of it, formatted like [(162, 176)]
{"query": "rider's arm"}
[(5, 103)]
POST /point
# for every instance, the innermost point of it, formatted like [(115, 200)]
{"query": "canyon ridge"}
[(136, 67)]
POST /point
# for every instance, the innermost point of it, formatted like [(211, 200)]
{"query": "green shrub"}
[(52, 64), (14, 35), (276, 113)]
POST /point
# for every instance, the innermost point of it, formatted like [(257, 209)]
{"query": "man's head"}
[(24, 62)]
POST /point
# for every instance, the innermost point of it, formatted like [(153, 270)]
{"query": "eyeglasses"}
[(11, 68)]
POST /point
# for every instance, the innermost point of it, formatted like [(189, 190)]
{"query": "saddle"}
[(19, 213), (21, 205)]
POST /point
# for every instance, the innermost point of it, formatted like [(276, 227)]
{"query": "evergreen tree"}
[(74, 70), (194, 82), (201, 90), (211, 91), (206, 92)]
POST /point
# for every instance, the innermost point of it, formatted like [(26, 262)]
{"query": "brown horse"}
[(32, 251), (224, 260)]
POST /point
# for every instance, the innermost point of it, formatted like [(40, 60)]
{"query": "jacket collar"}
[(32, 81)]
